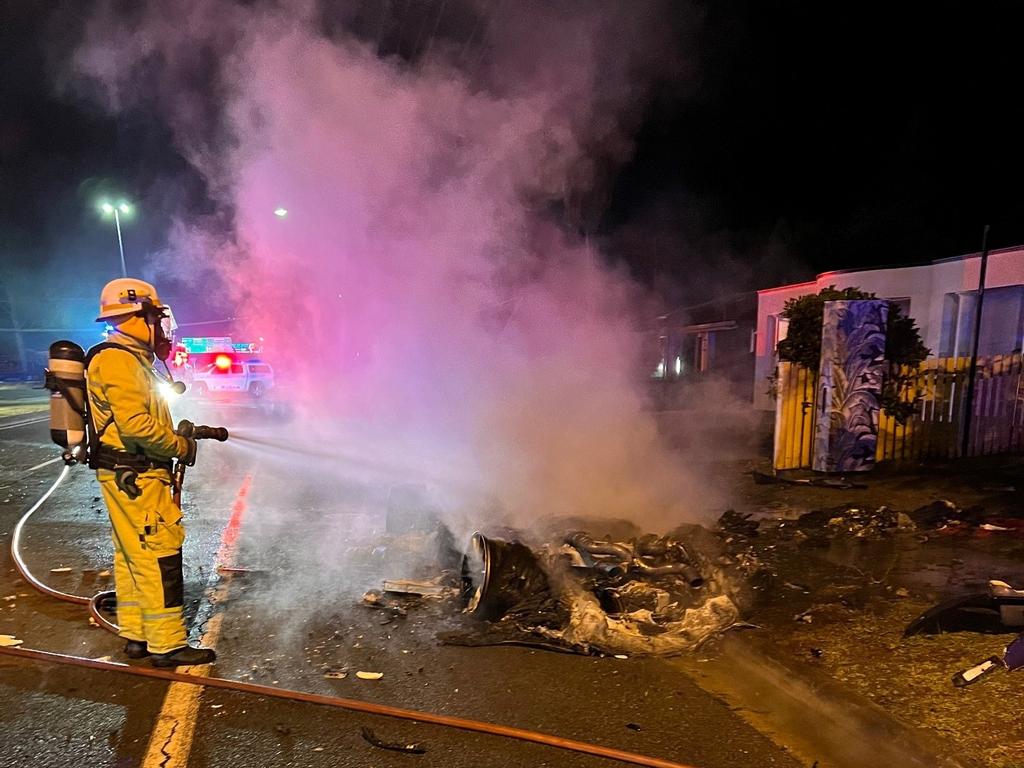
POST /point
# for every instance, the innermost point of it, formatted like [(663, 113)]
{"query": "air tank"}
[(65, 378)]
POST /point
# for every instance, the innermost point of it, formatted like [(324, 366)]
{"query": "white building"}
[(940, 296)]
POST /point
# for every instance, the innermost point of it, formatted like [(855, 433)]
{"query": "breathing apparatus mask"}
[(158, 320)]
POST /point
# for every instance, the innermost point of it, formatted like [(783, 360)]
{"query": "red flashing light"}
[(222, 361)]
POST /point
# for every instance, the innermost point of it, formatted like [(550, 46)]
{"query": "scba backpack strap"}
[(93, 434)]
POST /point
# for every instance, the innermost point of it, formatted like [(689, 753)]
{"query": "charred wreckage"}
[(645, 595)]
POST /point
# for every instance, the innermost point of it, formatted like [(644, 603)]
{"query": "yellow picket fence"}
[(935, 429)]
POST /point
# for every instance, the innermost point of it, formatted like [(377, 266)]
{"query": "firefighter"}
[(135, 443)]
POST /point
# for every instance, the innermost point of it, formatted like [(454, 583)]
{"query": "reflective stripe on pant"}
[(147, 535)]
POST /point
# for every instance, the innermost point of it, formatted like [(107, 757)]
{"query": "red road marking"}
[(226, 551)]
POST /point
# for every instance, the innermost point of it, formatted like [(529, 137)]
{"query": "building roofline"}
[(933, 262)]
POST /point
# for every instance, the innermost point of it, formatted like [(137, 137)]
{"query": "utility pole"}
[(973, 370)]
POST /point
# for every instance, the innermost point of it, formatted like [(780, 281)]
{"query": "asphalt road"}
[(307, 532)]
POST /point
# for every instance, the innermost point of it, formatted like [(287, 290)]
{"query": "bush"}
[(904, 347)]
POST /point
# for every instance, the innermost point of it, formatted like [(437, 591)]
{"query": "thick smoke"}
[(435, 316)]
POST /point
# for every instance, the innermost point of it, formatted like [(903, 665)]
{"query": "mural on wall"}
[(849, 385)]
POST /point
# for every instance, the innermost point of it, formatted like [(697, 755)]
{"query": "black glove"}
[(124, 479), (189, 459)]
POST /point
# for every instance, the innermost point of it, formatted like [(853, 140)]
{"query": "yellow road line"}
[(170, 742)]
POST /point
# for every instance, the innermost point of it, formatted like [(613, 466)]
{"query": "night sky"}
[(805, 136)]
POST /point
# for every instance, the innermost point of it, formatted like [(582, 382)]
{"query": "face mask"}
[(161, 344), (156, 320)]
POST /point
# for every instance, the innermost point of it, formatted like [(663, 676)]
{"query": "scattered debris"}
[(104, 574), (9, 641), (414, 748), (369, 675), (838, 483), (336, 674), (633, 726), (407, 587), (856, 521), (60, 570), (374, 599), (977, 672), (733, 522), (997, 610)]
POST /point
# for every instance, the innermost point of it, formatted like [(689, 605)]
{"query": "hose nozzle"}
[(200, 432), (219, 434)]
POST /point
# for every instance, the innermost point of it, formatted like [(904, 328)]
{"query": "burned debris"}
[(643, 596), (854, 520)]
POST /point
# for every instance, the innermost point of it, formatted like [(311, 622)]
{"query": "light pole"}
[(108, 208)]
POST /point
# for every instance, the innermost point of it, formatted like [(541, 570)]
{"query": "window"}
[(236, 369), (950, 325), (903, 302), (1002, 322), (782, 330)]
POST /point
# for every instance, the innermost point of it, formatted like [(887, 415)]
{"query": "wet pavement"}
[(307, 534), (836, 604)]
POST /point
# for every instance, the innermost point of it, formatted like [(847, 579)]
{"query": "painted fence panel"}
[(935, 431), (794, 416)]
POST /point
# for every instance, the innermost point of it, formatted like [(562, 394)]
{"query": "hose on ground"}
[(353, 705), (19, 563)]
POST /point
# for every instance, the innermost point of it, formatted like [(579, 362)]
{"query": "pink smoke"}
[(417, 293)]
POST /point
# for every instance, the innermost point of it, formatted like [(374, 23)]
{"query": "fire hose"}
[(94, 601), (353, 705), (185, 429)]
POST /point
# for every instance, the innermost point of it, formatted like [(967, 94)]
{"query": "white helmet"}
[(126, 296)]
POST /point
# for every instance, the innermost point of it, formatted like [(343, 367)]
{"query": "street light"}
[(121, 208), (280, 212)]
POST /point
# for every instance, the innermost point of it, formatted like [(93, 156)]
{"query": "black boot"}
[(185, 656), (136, 649)]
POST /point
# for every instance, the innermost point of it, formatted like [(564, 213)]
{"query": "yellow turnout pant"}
[(148, 535)]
